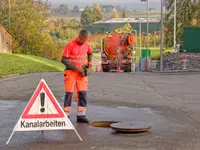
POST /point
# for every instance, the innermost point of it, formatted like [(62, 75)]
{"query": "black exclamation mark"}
[(42, 98)]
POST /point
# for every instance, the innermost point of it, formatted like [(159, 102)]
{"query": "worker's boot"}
[(82, 119)]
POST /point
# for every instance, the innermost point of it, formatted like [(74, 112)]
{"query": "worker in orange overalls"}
[(77, 53)]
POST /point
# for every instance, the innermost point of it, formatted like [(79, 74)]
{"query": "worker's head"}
[(83, 37)]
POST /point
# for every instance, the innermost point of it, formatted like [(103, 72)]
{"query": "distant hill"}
[(137, 6)]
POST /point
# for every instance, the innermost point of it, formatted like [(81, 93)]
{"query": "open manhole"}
[(102, 124), (130, 127)]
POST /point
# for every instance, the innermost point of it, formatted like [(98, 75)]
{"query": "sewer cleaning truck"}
[(117, 52)]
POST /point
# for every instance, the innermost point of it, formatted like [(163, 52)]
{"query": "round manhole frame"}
[(128, 127), (102, 124)]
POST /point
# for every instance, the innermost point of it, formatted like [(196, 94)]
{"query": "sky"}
[(101, 1), (135, 4)]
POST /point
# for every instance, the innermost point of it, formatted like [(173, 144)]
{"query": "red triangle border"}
[(41, 86)]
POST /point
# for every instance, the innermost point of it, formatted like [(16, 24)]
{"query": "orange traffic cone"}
[(101, 69), (118, 69), (97, 69)]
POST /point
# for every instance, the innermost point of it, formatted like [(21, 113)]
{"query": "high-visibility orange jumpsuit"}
[(77, 55)]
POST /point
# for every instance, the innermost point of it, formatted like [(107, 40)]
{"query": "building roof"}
[(3, 29), (107, 6), (127, 20)]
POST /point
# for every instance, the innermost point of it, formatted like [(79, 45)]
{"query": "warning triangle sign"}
[(43, 112), (42, 104)]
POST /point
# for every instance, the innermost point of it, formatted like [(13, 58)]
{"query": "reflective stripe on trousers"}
[(73, 79)]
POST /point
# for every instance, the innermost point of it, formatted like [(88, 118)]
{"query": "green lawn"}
[(97, 55), (155, 52), (21, 64)]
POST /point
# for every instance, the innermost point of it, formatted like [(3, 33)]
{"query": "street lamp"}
[(135, 47), (154, 41), (147, 31), (174, 25), (140, 30), (161, 38)]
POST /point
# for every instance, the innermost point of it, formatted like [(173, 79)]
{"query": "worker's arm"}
[(89, 53), (67, 63), (90, 58)]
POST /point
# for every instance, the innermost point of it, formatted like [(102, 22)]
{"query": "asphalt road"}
[(170, 103)]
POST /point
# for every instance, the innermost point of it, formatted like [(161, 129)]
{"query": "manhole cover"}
[(102, 124), (130, 127)]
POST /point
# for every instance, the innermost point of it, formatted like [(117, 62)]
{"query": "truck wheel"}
[(128, 69), (105, 70)]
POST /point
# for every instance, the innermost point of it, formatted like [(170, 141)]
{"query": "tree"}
[(65, 30), (91, 15), (98, 6), (76, 8), (115, 15), (74, 24), (64, 9), (127, 28), (27, 23), (98, 14), (124, 14), (118, 7), (188, 15), (150, 39), (51, 25)]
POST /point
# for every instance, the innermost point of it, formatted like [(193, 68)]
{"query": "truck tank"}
[(117, 50)]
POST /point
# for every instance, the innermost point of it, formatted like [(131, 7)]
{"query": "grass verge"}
[(155, 53), (22, 64)]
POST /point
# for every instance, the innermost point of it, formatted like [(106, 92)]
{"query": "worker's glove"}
[(87, 70), (89, 65), (80, 69)]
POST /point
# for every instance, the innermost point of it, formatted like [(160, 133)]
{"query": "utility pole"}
[(136, 45), (147, 32), (174, 25), (154, 41), (147, 45), (161, 38), (140, 38)]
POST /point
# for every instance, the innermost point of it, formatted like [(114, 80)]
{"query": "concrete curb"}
[(175, 72), (11, 75)]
